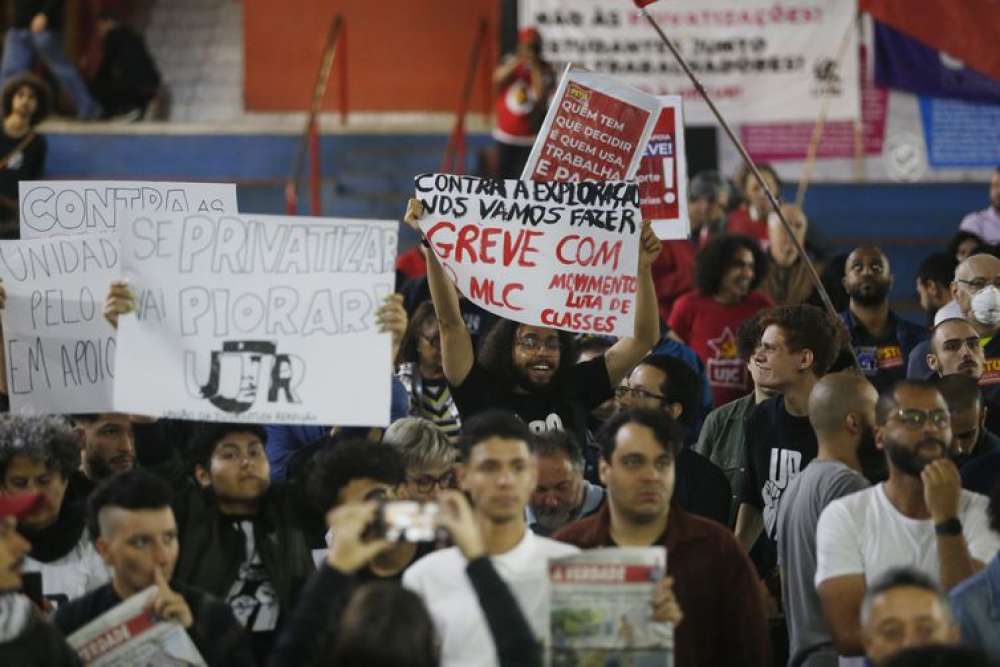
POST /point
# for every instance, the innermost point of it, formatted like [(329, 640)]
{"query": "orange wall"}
[(401, 55)]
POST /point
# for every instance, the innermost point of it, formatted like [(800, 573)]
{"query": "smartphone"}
[(31, 586), (409, 521)]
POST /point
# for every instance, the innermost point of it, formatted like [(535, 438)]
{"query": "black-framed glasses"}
[(637, 392), (427, 483), (914, 419), (531, 342), (979, 283)]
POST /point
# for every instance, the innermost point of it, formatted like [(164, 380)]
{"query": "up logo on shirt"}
[(785, 465)]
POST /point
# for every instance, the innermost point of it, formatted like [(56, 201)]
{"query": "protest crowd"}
[(778, 482)]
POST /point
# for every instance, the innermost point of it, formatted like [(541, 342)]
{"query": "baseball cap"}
[(19, 505), (525, 35)]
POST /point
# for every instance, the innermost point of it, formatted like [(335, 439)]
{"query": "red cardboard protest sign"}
[(595, 130), (662, 174)]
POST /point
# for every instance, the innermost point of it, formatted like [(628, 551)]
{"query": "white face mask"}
[(986, 306)]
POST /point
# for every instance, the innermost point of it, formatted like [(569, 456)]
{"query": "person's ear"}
[(202, 476), (852, 423), (603, 470), (460, 473), (932, 362), (806, 360), (880, 437), (102, 545)]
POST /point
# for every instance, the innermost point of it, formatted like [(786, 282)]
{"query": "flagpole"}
[(775, 206)]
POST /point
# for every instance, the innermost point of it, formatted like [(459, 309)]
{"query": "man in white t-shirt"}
[(919, 518), (497, 469)]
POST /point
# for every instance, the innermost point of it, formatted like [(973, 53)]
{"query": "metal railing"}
[(480, 56), (335, 45)]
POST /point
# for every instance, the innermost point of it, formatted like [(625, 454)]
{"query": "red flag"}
[(642, 3), (960, 29)]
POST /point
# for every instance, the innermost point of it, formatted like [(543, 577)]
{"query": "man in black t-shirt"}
[(797, 347), (530, 370)]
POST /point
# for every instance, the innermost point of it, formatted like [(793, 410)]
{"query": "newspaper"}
[(601, 609), (130, 635)]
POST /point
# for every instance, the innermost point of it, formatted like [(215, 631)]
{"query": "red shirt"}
[(673, 273), (518, 120), (710, 328), (740, 222), (715, 585)]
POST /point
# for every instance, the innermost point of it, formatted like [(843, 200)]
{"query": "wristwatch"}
[(949, 527)]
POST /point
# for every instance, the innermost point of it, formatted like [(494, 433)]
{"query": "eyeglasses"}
[(914, 419), (638, 392), (426, 483), (979, 283), (530, 342)]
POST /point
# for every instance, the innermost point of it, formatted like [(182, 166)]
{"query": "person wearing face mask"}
[(842, 412), (976, 292), (919, 517), (882, 341)]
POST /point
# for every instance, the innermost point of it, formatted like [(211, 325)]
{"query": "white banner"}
[(60, 208), (760, 60), (256, 318), (60, 350), (544, 253), (595, 130)]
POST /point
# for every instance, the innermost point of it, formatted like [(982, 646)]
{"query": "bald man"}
[(842, 413), (882, 341)]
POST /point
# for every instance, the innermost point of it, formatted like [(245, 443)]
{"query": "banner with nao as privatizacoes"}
[(544, 253), (256, 318)]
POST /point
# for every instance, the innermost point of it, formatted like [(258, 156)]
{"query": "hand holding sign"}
[(119, 301), (649, 247)]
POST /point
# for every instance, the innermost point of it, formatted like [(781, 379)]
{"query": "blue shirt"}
[(283, 440), (976, 605)]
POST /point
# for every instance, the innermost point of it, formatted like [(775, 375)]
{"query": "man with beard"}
[(240, 537), (882, 341), (661, 382), (970, 439), (26, 640), (919, 517), (976, 291), (39, 455), (955, 348), (107, 444), (842, 412), (531, 370), (710, 576), (562, 495), (727, 272)]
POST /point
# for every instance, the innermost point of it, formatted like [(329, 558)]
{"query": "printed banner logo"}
[(235, 374)]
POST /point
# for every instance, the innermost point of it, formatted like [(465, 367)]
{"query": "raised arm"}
[(457, 352), (942, 493), (627, 352)]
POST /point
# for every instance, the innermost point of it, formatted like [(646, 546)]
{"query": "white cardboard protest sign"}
[(595, 130), (760, 61), (60, 208), (60, 350), (558, 255), (662, 174), (256, 318)]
